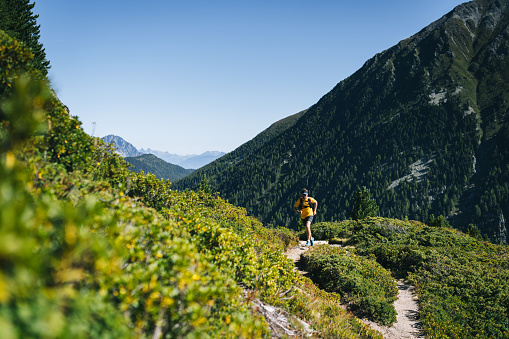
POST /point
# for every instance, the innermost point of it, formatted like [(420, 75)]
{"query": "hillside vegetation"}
[(462, 282), (423, 125), (91, 249)]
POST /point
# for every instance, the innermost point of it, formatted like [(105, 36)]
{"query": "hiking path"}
[(407, 325)]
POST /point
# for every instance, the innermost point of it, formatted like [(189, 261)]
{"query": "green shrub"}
[(462, 282), (440, 221), (324, 310), (366, 285)]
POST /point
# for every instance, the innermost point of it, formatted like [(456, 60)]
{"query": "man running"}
[(306, 206)]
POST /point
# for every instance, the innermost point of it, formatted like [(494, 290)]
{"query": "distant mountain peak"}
[(191, 161), (123, 148)]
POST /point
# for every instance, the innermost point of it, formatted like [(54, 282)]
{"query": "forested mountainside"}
[(149, 163), (423, 125)]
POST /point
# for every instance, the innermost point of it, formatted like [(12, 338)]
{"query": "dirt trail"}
[(407, 325)]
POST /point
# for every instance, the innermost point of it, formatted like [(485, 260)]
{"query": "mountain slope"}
[(149, 163), (423, 125), (238, 155)]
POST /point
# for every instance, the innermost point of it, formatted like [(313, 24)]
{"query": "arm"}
[(295, 208), (316, 206)]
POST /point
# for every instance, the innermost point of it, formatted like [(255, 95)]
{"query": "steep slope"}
[(423, 125), (149, 163)]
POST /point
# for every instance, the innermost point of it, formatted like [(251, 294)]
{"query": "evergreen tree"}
[(204, 185), (363, 205), (18, 21), (473, 231)]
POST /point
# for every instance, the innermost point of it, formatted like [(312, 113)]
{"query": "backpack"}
[(311, 205)]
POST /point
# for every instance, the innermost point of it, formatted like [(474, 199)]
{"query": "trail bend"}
[(407, 325)]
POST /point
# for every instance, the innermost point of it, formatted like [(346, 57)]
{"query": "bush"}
[(461, 281), (366, 285), (438, 222)]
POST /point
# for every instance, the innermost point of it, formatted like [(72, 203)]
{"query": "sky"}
[(193, 76)]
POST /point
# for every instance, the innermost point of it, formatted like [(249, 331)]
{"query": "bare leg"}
[(308, 229)]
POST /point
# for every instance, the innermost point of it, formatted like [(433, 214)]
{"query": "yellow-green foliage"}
[(324, 310), (15, 59), (90, 249), (49, 261)]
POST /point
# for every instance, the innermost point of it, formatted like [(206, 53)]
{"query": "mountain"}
[(149, 163), (191, 161), (216, 168), (423, 125), (122, 147)]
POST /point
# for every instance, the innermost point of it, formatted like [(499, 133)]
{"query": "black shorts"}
[(306, 219)]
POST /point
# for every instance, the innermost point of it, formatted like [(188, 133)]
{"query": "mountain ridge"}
[(150, 163), (192, 161)]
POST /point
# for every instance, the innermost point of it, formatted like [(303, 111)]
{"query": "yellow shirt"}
[(306, 209)]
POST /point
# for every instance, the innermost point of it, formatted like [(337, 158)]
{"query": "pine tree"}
[(204, 185), (363, 205), (18, 21)]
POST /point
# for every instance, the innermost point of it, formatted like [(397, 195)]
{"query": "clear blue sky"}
[(193, 76)]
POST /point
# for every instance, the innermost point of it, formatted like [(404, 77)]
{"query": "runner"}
[(306, 206)]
